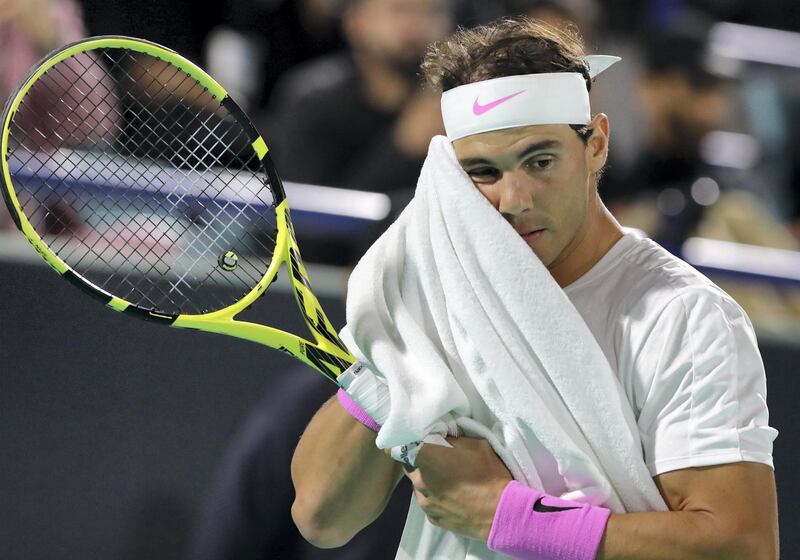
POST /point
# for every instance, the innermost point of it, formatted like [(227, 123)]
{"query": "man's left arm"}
[(724, 511), (720, 512)]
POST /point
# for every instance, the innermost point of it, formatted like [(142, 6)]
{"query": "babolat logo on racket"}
[(228, 261)]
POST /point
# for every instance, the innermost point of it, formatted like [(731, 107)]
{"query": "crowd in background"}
[(334, 87), (703, 110)]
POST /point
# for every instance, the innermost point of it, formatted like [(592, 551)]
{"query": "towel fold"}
[(468, 328)]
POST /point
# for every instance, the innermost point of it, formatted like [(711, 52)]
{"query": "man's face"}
[(704, 109), (541, 178), (397, 31), (681, 113)]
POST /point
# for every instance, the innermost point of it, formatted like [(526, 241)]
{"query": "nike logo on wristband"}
[(479, 109), (538, 506)]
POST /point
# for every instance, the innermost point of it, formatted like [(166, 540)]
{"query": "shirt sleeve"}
[(706, 401)]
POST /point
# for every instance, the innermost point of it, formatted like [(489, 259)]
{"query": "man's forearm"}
[(342, 481), (688, 535), (726, 512)]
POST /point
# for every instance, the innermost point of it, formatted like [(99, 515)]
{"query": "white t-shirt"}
[(685, 354)]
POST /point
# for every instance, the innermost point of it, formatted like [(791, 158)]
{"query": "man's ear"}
[(597, 145)]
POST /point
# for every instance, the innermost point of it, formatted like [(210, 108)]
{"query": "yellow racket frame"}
[(326, 353)]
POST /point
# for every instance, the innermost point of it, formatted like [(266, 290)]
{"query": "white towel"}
[(467, 326)]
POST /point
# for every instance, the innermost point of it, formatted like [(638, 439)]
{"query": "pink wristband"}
[(354, 410), (530, 525)]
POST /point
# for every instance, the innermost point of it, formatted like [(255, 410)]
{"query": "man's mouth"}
[(533, 235)]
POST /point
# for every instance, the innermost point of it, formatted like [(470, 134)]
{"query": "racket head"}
[(137, 178)]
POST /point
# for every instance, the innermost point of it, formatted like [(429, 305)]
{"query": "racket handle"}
[(368, 390)]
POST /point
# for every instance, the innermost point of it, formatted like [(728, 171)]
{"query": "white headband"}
[(556, 98)]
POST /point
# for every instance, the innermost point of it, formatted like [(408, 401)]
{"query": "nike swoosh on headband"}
[(479, 109)]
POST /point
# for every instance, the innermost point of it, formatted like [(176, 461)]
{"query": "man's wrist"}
[(368, 390), (529, 524), (354, 410)]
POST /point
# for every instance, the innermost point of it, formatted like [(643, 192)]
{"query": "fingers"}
[(428, 507), (420, 487), (413, 474)]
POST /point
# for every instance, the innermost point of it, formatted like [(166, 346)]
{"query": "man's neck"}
[(601, 233)]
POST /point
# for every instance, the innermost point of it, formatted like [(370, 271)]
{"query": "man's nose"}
[(514, 195)]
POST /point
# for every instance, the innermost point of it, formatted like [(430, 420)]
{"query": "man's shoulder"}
[(639, 283), (647, 282), (655, 273)]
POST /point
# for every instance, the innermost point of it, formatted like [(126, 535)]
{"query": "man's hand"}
[(459, 487)]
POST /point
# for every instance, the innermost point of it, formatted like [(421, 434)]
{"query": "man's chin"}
[(546, 259), (539, 245)]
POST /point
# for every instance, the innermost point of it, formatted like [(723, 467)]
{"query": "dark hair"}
[(506, 47)]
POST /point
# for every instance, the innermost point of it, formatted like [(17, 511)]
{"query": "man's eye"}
[(541, 163), (483, 173)]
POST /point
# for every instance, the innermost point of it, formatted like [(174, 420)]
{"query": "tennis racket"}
[(140, 181)]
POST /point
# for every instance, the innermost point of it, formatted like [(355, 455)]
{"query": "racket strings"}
[(61, 97), (143, 184), (97, 257), (211, 132)]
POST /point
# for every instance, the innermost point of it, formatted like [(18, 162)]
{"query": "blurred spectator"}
[(248, 513), (358, 119), (680, 187), (683, 98), (29, 29), (181, 25), (583, 14), (258, 40), (470, 13)]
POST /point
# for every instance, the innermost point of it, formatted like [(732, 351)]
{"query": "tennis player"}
[(684, 351)]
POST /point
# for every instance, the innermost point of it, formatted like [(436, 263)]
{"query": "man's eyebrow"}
[(533, 148), (538, 147)]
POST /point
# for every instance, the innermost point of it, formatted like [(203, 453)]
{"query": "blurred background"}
[(122, 440)]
